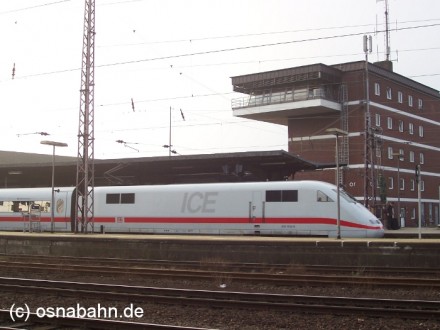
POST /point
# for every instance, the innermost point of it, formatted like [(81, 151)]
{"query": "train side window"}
[(15, 207), (321, 197), (273, 196), (127, 198), (289, 195), (281, 195), (112, 198)]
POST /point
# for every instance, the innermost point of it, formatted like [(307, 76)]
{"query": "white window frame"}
[(390, 152), (390, 183), (389, 93), (410, 100), (413, 184), (411, 156), (402, 184), (420, 104), (377, 119), (401, 125), (390, 123), (422, 158), (411, 128), (377, 89), (378, 152), (421, 131), (422, 185), (400, 97), (413, 213)]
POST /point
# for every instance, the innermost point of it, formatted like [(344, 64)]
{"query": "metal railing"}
[(281, 97)]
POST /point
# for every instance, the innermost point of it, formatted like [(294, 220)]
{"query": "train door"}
[(73, 227), (256, 207), (62, 210)]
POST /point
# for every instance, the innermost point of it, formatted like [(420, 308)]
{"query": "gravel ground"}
[(219, 318)]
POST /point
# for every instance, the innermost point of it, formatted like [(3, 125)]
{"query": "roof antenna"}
[(387, 32)]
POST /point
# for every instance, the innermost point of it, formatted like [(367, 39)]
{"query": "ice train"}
[(286, 208)]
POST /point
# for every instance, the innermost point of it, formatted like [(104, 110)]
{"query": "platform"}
[(413, 232), (391, 252)]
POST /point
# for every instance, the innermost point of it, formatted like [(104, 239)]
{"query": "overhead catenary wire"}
[(136, 97)]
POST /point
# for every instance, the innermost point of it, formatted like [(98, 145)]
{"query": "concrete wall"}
[(406, 253)]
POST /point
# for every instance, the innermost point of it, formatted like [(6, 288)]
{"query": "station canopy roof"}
[(35, 170)]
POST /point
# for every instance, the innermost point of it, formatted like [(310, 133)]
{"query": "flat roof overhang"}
[(322, 73), (280, 113), (35, 170)]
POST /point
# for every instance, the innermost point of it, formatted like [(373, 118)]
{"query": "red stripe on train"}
[(172, 220)]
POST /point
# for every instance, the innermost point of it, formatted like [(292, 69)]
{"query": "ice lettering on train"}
[(199, 202)]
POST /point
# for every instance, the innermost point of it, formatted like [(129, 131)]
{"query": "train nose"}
[(378, 233)]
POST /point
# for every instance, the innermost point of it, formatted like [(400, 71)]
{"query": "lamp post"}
[(337, 132), (52, 203), (399, 158)]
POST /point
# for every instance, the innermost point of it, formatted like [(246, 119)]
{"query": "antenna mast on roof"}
[(387, 32)]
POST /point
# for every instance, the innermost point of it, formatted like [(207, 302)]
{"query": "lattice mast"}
[(369, 180), (84, 212)]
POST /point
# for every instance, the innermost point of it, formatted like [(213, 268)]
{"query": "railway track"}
[(225, 265), (35, 321), (409, 309), (275, 278)]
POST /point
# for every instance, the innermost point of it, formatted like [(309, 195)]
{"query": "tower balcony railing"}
[(296, 95)]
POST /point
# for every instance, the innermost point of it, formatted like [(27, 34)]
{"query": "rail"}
[(46, 322), (278, 278), (409, 309), (25, 259)]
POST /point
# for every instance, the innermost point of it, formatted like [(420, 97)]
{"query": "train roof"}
[(290, 184)]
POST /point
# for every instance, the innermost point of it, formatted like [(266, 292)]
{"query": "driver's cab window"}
[(321, 197)]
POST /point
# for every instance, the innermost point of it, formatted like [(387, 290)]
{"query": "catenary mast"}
[(84, 211)]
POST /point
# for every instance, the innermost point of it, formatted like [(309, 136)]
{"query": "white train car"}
[(287, 208), (19, 205)]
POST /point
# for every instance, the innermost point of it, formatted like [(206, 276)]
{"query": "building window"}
[(421, 131), (389, 94), (390, 183), (420, 104), (413, 213), (377, 119), (410, 100), (390, 123), (413, 184), (422, 185), (377, 89), (411, 156), (402, 184), (411, 128), (422, 158), (390, 152), (400, 125), (378, 152), (400, 97)]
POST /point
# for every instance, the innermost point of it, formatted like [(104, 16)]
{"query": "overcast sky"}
[(181, 54)]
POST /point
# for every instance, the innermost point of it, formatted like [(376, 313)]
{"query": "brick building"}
[(393, 125)]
